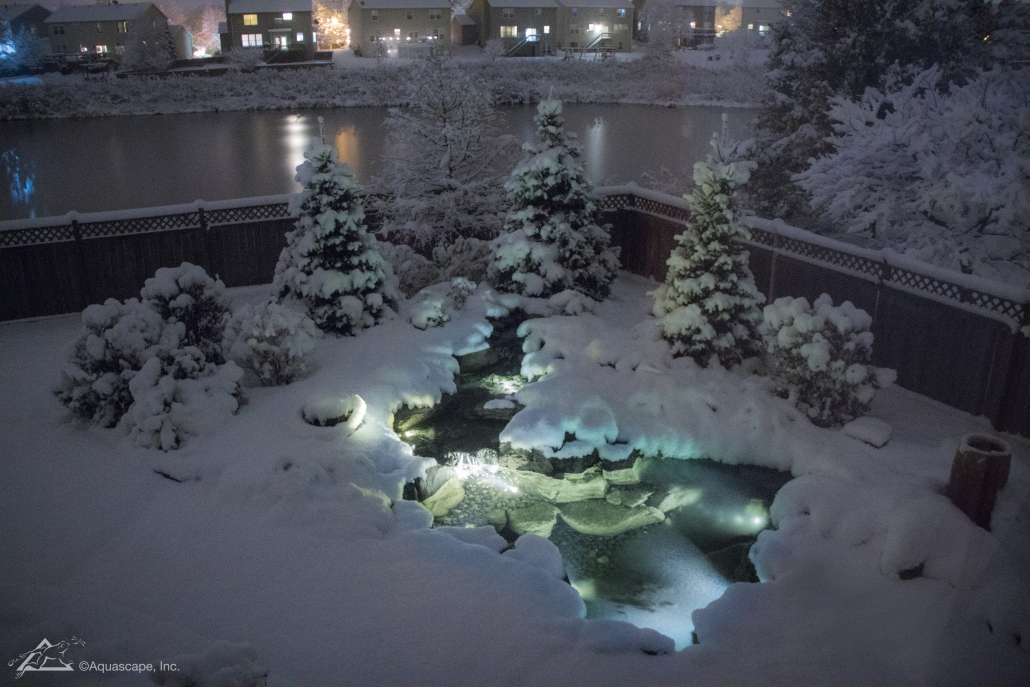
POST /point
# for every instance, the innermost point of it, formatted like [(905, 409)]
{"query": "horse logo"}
[(46, 656)]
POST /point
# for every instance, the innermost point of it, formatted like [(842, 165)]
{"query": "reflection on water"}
[(111, 163), (20, 184)]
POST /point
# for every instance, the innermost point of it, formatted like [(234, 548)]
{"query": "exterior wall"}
[(271, 24), (526, 18), (106, 35), (420, 27), (576, 21)]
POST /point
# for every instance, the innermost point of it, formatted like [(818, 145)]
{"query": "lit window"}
[(119, 48), (123, 27), (250, 20), (435, 14), (508, 13), (547, 29), (300, 36), (252, 40), (531, 35), (509, 32), (101, 49), (375, 15), (287, 16), (622, 13), (409, 15)]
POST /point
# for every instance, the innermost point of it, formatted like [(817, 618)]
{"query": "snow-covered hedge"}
[(271, 339), (154, 366), (822, 357)]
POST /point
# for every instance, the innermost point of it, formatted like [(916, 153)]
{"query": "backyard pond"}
[(647, 540)]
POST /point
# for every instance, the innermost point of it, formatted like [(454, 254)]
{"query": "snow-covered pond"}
[(53, 166)]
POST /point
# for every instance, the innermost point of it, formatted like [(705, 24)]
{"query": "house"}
[(464, 30), (605, 24), (399, 28), (28, 18), (89, 31), (269, 24), (760, 15), (697, 23), (527, 28)]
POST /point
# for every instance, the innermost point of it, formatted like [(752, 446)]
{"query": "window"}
[(547, 29), (252, 40), (621, 13), (409, 15), (101, 49), (119, 48), (250, 20), (508, 13), (300, 36), (287, 16), (435, 14), (509, 32), (122, 27), (531, 35), (59, 30), (375, 15)]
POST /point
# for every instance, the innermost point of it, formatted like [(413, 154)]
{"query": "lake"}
[(53, 166)]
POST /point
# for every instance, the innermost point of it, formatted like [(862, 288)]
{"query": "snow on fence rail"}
[(950, 336)]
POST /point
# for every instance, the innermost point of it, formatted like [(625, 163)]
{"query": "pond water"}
[(50, 167), (647, 540)]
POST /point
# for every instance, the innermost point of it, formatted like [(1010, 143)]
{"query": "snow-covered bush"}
[(942, 177), (822, 357), (154, 366), (443, 180), (708, 304), (188, 296), (554, 240), (331, 263), (272, 340)]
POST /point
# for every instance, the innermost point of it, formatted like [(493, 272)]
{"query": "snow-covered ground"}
[(735, 80), (286, 548)]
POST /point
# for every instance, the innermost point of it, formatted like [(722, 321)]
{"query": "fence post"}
[(85, 297)]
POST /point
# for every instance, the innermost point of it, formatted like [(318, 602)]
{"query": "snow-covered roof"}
[(618, 4), (262, 6), (121, 12), (524, 3), (404, 4), (12, 12)]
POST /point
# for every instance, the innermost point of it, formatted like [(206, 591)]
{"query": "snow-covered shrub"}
[(942, 177), (554, 240), (331, 263), (708, 304), (188, 296), (272, 340), (154, 366), (822, 357)]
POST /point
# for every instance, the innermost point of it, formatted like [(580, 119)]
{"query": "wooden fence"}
[(950, 337)]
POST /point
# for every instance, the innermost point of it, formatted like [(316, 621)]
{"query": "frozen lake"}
[(53, 166)]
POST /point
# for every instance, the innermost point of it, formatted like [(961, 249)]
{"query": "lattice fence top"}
[(875, 266), (101, 225)]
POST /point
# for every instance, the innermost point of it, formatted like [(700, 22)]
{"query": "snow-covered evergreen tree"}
[(708, 304), (941, 176), (555, 241), (447, 161), (331, 263)]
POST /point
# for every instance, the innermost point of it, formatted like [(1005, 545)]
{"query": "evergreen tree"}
[(554, 240), (331, 263), (708, 303)]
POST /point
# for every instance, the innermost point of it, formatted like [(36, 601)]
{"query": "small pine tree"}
[(709, 303), (331, 263), (554, 240)]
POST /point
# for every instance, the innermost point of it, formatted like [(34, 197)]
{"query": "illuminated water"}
[(113, 163)]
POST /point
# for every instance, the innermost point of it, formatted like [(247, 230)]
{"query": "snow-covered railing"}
[(200, 214), (1001, 302)]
